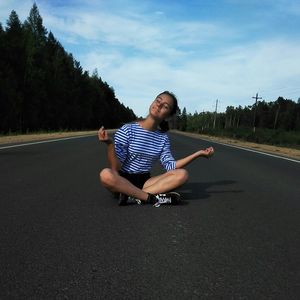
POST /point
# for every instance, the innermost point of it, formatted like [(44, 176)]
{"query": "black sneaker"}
[(122, 199), (167, 198)]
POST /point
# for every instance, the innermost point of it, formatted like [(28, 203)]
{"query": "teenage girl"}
[(136, 147)]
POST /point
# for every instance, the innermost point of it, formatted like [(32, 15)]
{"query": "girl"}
[(135, 149)]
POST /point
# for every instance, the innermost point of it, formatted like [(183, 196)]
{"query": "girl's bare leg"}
[(116, 183), (166, 182), (155, 185)]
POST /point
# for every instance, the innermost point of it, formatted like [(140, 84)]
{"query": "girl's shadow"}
[(200, 190)]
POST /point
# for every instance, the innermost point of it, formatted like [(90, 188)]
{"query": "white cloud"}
[(147, 33), (233, 77)]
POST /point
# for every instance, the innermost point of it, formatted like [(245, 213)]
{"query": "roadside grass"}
[(281, 138)]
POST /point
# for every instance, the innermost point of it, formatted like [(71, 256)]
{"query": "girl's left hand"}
[(208, 152)]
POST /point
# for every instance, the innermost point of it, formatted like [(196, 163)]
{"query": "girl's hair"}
[(164, 125), (175, 102)]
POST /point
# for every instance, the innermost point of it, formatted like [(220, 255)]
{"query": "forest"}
[(276, 122), (43, 88)]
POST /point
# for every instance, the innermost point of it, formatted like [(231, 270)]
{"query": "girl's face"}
[(161, 107)]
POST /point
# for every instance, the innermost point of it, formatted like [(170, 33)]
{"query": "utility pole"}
[(254, 117), (276, 116), (215, 116)]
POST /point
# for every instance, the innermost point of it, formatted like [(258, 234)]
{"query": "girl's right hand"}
[(103, 136)]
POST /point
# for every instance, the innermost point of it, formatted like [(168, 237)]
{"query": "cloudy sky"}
[(202, 50)]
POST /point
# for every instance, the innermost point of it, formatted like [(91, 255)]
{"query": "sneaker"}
[(138, 201), (168, 198), (132, 200), (122, 199)]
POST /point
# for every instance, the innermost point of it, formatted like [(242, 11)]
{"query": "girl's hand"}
[(208, 152), (103, 136)]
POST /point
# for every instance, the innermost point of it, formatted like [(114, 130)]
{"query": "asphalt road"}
[(62, 235)]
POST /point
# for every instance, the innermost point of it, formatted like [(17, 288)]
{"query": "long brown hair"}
[(164, 125)]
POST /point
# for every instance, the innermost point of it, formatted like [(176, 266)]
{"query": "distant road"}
[(62, 235)]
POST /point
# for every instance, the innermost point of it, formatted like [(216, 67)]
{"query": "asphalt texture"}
[(236, 234)]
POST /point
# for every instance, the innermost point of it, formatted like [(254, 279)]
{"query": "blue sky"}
[(201, 50)]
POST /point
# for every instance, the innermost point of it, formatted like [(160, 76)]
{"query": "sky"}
[(201, 50)]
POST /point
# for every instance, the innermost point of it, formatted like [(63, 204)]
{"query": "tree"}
[(183, 120), (12, 73), (34, 24)]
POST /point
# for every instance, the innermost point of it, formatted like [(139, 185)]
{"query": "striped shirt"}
[(138, 149)]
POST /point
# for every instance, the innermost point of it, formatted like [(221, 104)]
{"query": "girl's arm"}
[(111, 154), (206, 153)]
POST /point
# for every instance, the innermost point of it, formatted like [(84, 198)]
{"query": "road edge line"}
[(44, 142)]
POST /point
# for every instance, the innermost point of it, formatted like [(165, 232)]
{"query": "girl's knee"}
[(183, 175), (107, 177)]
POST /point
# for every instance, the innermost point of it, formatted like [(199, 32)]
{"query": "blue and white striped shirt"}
[(138, 149)]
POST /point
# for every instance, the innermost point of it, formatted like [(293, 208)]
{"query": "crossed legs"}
[(155, 185)]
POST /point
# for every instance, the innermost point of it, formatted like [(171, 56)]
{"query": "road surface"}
[(62, 235)]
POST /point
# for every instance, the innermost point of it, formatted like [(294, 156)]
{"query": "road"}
[(62, 235)]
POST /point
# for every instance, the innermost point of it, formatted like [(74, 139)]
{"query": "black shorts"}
[(137, 179)]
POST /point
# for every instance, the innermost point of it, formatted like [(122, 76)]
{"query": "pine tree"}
[(34, 78), (34, 24), (12, 72)]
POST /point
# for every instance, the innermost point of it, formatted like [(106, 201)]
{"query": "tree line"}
[(42, 87), (275, 122)]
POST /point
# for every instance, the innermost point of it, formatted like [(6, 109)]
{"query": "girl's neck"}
[(149, 124)]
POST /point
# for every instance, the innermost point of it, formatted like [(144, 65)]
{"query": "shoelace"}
[(138, 201), (162, 199), (132, 199)]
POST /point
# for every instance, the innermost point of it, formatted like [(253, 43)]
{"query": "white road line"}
[(255, 151), (43, 142)]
